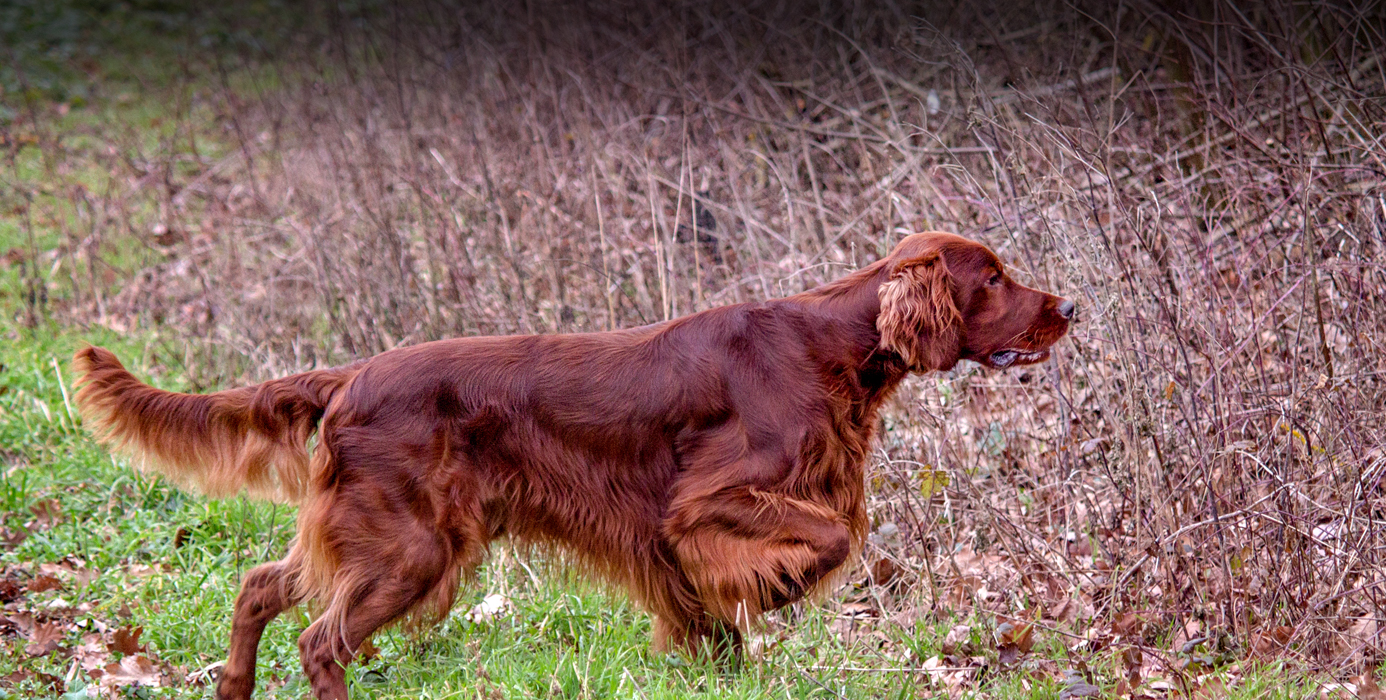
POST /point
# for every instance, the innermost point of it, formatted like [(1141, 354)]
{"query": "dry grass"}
[(1203, 458)]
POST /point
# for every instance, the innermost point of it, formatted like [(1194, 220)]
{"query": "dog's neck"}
[(844, 314)]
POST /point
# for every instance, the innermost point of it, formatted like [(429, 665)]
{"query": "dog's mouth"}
[(1009, 357), (1028, 347)]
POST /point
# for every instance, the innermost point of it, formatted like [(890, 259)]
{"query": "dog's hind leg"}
[(266, 591), (374, 587)]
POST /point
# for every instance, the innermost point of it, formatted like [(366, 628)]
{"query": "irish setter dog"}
[(711, 466)]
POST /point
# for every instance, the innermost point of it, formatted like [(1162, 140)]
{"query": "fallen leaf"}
[(955, 673), (1346, 691), (1077, 686), (1358, 636), (1070, 610), (204, 675), (1213, 687), (45, 638), (1128, 624), (141, 570), (1021, 636), (1132, 658), (54, 683), (126, 640), (1080, 689), (1012, 642), (47, 513), (958, 641), (884, 571), (92, 653), (488, 609), (13, 538), (61, 568), (132, 670), (85, 576), (1191, 630), (1007, 655), (1366, 687), (1269, 642), (859, 610), (45, 582), (9, 590), (24, 622), (69, 570)]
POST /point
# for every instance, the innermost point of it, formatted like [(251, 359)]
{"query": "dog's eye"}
[(995, 280)]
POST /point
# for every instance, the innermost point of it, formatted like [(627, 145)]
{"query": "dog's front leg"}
[(747, 551)]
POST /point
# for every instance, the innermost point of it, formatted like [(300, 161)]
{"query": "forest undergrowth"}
[(1193, 481)]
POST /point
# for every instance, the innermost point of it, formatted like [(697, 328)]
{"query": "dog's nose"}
[(1066, 308)]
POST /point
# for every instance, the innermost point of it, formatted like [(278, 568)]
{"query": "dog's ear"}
[(919, 320)]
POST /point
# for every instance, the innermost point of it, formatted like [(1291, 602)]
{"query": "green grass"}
[(170, 562), (155, 557)]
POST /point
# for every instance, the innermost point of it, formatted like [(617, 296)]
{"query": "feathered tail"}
[(253, 438)]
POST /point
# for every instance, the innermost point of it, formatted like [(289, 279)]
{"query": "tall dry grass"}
[(1204, 456)]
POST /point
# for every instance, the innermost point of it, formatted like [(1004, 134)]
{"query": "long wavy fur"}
[(253, 438), (711, 466), (918, 318)]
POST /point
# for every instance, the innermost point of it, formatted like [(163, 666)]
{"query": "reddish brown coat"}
[(711, 466)]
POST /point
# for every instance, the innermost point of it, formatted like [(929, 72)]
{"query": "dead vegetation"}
[(1202, 461)]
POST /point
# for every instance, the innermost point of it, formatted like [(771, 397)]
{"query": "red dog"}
[(711, 465)]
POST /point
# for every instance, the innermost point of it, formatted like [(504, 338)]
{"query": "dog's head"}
[(946, 298)]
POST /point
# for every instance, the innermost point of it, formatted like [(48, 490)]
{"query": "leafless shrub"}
[(1206, 452)]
